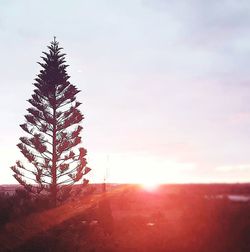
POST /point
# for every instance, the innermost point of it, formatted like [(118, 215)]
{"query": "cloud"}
[(234, 168), (240, 118), (214, 32)]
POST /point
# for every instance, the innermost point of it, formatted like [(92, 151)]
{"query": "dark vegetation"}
[(173, 218), (52, 129), (20, 204)]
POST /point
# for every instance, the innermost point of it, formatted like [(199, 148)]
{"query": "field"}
[(128, 218)]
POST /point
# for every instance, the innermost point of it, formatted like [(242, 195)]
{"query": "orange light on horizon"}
[(150, 186)]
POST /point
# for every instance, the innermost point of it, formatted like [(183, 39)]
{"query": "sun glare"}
[(150, 186)]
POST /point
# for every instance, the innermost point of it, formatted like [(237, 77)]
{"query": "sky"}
[(165, 84)]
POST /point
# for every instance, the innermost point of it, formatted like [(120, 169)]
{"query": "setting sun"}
[(150, 186)]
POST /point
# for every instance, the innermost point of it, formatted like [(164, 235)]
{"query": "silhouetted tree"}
[(52, 124)]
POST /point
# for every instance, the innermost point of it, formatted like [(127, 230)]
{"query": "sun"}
[(150, 186)]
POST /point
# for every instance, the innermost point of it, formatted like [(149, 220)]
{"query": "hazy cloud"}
[(166, 78)]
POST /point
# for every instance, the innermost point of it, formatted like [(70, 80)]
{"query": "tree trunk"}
[(54, 159)]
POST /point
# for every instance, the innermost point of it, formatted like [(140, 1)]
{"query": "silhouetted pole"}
[(105, 212)]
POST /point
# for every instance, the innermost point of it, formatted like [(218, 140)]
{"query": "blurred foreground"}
[(129, 218)]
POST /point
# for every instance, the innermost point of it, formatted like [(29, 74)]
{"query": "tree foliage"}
[(53, 131)]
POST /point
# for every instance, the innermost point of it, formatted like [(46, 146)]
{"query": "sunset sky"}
[(165, 84)]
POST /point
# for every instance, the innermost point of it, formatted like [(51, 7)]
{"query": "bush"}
[(20, 204)]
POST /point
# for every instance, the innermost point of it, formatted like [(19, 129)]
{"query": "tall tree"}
[(53, 131)]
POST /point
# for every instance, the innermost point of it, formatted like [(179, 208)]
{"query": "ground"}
[(184, 218)]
